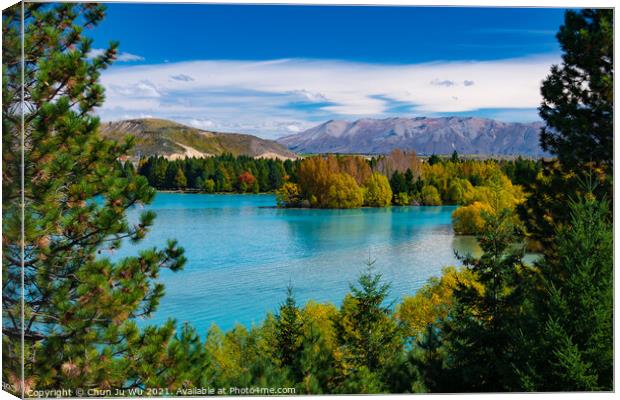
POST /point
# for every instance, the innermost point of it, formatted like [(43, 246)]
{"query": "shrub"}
[(468, 220), (429, 196), (288, 195)]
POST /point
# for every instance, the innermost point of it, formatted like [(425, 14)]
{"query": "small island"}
[(335, 181)]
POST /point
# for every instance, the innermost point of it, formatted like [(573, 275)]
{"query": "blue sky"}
[(276, 70)]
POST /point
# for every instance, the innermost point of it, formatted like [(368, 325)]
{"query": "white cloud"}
[(293, 128), (140, 89), (446, 82), (123, 57), (309, 96), (263, 97), (182, 78), (201, 123), (120, 56)]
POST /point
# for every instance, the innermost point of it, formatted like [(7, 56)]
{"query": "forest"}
[(494, 324)]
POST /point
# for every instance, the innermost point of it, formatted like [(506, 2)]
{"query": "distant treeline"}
[(225, 173), (405, 171), (349, 181)]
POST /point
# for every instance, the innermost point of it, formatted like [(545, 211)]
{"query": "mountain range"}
[(173, 140), (443, 135)]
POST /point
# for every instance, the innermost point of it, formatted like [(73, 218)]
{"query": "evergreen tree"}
[(434, 159), (368, 336), (571, 328), (398, 183), (455, 157), (428, 358), (80, 307), (578, 95), (289, 335), (578, 111), (479, 331)]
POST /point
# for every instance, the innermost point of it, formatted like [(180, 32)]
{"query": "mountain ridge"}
[(174, 140), (425, 135)]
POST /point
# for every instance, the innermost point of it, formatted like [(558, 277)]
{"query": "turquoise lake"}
[(242, 253)]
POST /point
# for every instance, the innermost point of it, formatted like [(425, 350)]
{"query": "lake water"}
[(243, 252)]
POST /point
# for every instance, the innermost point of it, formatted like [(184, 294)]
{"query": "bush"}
[(402, 199), (468, 220), (429, 196), (288, 195)]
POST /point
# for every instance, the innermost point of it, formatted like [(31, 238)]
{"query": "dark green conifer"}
[(80, 307)]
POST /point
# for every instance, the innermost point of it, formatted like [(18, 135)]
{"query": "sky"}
[(278, 70)]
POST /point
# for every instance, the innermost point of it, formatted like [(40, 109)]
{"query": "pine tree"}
[(578, 111), (479, 329), (368, 336), (289, 334), (571, 333), (434, 159), (80, 307), (428, 358), (578, 94)]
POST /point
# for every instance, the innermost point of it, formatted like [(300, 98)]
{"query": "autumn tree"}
[(377, 191), (343, 192)]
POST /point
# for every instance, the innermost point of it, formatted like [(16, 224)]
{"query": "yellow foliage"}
[(319, 316), (433, 301), (429, 196), (467, 220), (289, 195), (378, 192), (343, 192)]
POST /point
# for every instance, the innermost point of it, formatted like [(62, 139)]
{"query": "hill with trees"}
[(173, 140)]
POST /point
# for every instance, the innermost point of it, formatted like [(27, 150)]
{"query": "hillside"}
[(173, 140), (424, 135)]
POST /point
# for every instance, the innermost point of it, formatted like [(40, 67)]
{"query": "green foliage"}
[(228, 173), (367, 334), (573, 305), (578, 94), (479, 330), (429, 196), (402, 199), (208, 186), (80, 307), (180, 181), (434, 159), (288, 334), (494, 325)]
